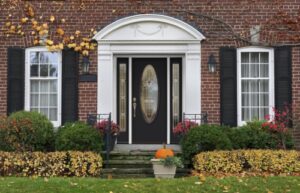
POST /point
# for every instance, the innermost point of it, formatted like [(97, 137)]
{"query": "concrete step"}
[(133, 164)]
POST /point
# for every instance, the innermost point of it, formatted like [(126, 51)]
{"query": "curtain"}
[(255, 85)]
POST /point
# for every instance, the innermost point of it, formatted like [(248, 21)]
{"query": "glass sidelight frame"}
[(126, 60)]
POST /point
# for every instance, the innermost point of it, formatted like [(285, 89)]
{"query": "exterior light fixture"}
[(212, 64), (85, 64)]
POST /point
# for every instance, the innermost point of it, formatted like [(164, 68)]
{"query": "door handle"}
[(134, 106)]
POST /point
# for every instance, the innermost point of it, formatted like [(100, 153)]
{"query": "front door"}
[(149, 100)]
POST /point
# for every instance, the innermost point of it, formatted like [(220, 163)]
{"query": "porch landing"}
[(144, 147)]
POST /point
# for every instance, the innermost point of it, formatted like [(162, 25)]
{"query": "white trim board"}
[(134, 35), (115, 111), (271, 79), (27, 81)]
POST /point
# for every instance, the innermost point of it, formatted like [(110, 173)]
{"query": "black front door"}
[(149, 100)]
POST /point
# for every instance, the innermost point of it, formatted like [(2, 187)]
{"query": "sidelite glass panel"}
[(175, 93), (149, 93), (122, 97)]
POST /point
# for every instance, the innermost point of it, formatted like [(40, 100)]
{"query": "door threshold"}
[(144, 147)]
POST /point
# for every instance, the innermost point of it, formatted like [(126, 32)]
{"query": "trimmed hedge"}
[(70, 163), (26, 131), (204, 138), (253, 161), (78, 136)]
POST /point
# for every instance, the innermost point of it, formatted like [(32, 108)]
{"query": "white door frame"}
[(133, 36), (130, 89)]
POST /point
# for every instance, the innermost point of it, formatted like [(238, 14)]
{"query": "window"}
[(43, 83), (255, 83)]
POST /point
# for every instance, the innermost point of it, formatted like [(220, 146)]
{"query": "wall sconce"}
[(212, 64), (85, 64)]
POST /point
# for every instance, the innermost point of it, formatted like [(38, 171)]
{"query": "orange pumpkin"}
[(164, 153)]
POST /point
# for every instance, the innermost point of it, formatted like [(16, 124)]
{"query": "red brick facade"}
[(87, 14)]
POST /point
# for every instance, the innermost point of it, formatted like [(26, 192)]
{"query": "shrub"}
[(50, 164), (204, 138), (102, 126), (183, 127), (251, 136), (78, 136), (278, 125), (254, 136), (27, 131), (258, 162)]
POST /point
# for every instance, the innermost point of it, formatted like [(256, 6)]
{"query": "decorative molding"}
[(148, 35), (148, 27)]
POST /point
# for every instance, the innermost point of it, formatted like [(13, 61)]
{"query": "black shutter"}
[(283, 77), (15, 79), (70, 60), (228, 86)]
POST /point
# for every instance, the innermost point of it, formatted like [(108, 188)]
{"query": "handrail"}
[(93, 119)]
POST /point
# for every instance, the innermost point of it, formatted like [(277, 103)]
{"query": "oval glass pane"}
[(149, 93)]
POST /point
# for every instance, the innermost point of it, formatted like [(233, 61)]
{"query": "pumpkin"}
[(164, 153)]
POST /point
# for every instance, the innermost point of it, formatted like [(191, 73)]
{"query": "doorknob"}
[(134, 106)]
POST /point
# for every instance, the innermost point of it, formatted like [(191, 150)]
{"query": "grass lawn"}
[(182, 185)]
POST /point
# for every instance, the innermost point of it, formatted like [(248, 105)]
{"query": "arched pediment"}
[(148, 27)]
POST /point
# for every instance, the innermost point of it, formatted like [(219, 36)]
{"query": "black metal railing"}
[(200, 118), (93, 119)]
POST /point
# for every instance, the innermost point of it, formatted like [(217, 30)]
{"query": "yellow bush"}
[(72, 163), (254, 161)]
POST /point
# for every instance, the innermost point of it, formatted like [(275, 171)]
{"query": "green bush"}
[(78, 136), (27, 131), (205, 138), (254, 136), (251, 136)]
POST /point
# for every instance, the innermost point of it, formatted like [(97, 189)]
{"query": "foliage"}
[(103, 125), (78, 136), (251, 136), (172, 161), (279, 125), (254, 161), (205, 138), (50, 164), (183, 127), (47, 32), (27, 131)]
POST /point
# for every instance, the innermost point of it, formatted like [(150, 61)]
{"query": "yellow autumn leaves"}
[(256, 162), (72, 163), (50, 32)]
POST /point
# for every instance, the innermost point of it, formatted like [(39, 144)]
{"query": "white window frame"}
[(27, 81), (271, 79)]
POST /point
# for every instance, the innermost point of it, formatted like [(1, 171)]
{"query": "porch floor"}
[(144, 147)]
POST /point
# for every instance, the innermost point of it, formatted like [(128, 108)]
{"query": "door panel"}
[(149, 100)]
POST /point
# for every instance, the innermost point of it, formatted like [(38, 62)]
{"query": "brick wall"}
[(240, 14)]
